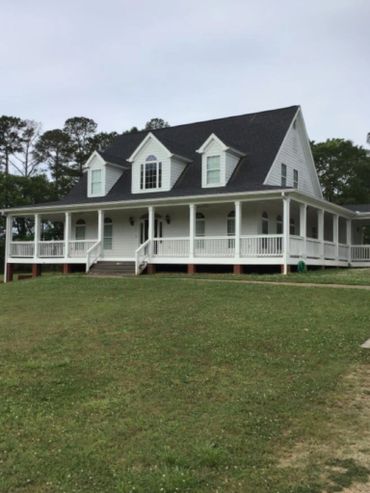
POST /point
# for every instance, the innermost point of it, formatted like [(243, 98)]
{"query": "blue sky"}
[(123, 62)]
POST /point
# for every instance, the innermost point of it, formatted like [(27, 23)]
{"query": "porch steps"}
[(112, 269)]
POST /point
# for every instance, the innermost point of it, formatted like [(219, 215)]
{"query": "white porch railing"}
[(21, 248), (261, 246), (330, 250), (79, 248), (313, 248), (214, 246), (51, 248), (92, 255), (171, 247), (296, 246), (343, 252), (142, 256), (360, 253)]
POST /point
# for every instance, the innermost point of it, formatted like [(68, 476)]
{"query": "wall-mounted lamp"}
[(131, 220), (168, 218)]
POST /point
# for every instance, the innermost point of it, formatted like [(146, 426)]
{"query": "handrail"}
[(142, 256), (90, 259)]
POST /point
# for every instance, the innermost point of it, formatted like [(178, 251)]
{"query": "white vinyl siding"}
[(295, 153)]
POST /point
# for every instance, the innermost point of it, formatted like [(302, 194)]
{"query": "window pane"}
[(151, 175), (213, 170), (108, 237), (283, 175), (96, 181)]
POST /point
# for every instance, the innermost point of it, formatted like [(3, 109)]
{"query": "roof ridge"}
[(254, 113)]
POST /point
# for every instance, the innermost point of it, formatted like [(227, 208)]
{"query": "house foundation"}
[(238, 269), (67, 268), (151, 269), (36, 270), (192, 269), (9, 272)]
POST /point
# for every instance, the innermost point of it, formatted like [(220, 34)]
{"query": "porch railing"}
[(360, 253), (330, 250), (142, 256), (21, 249), (296, 246), (171, 247), (313, 248), (92, 254), (51, 248), (79, 248), (214, 246), (261, 246)]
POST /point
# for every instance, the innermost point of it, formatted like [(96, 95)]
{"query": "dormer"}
[(101, 175), (154, 167), (218, 162)]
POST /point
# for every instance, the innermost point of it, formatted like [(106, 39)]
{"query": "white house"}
[(235, 191)]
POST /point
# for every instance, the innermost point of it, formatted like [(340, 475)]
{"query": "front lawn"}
[(157, 385)]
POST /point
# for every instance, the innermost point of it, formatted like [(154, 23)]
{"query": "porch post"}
[(320, 231), (286, 223), (100, 225), (150, 228), (36, 236), (336, 234), (238, 219), (349, 238), (303, 227), (192, 216), (67, 232), (8, 273)]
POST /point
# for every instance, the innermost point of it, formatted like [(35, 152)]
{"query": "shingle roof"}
[(257, 135), (358, 207)]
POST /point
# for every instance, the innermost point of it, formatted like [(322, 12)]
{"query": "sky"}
[(123, 62)]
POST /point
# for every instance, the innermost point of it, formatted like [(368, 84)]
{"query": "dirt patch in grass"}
[(342, 461)]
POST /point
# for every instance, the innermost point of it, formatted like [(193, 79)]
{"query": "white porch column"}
[(8, 240), (336, 234), (100, 225), (286, 227), (238, 220), (150, 228), (349, 238), (67, 233), (320, 230), (36, 236), (303, 227), (192, 221)]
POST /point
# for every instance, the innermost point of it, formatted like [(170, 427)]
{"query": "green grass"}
[(156, 385), (353, 276)]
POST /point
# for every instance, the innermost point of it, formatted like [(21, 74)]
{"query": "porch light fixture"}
[(168, 218), (132, 220)]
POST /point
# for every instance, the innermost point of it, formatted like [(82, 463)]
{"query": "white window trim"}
[(216, 183), (159, 176), (284, 176), (295, 181)]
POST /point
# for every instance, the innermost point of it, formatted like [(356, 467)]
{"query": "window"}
[(231, 228), (151, 174), (200, 224), (213, 170), (96, 182), (80, 229), (108, 234), (283, 174), (292, 226), (295, 178), (265, 223), (279, 225)]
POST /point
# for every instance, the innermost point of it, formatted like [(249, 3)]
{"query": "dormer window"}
[(213, 170), (96, 182), (151, 174), (283, 175)]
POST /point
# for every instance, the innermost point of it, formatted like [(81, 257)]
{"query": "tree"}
[(343, 169), (10, 139), (55, 149), (24, 162), (81, 131), (100, 141), (156, 123)]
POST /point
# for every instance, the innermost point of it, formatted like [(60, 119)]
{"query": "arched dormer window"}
[(80, 229), (108, 234), (265, 223), (151, 173), (279, 225)]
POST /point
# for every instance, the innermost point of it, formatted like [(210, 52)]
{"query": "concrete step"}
[(113, 268)]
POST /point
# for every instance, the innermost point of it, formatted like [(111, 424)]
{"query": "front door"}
[(144, 229)]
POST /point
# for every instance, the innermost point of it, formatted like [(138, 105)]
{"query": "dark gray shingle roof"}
[(257, 135)]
